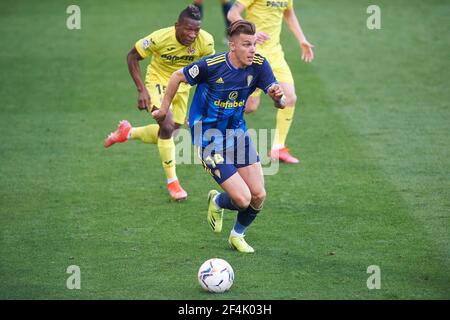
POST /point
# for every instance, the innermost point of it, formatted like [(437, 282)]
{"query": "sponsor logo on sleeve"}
[(194, 71), (145, 44)]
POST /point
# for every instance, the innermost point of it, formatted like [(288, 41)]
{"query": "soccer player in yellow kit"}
[(268, 17), (171, 48)]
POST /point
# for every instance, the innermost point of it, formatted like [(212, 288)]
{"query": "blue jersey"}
[(216, 113)]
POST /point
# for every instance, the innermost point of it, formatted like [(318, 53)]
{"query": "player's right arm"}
[(267, 82), (142, 49), (307, 48), (172, 88), (235, 13), (193, 74), (133, 59)]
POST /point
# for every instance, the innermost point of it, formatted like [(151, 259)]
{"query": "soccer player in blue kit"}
[(216, 119)]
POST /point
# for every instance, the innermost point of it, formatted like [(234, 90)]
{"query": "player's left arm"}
[(275, 91), (172, 88), (267, 82), (293, 24)]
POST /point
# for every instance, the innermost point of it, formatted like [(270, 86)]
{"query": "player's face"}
[(187, 31), (244, 48)]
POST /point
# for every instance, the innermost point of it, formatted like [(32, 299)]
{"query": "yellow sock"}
[(147, 134), (167, 153), (284, 120)]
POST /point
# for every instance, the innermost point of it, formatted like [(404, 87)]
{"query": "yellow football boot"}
[(239, 244), (214, 215)]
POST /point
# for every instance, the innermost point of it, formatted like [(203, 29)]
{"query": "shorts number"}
[(158, 86), (218, 159)]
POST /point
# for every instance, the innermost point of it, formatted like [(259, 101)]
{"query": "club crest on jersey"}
[(233, 95), (194, 71), (249, 80), (191, 50)]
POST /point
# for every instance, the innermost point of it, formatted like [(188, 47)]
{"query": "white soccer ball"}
[(216, 275)]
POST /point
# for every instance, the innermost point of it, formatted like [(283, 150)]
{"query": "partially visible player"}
[(226, 6), (219, 133), (170, 48), (268, 17)]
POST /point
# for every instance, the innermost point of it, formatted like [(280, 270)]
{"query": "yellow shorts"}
[(279, 66), (156, 87)]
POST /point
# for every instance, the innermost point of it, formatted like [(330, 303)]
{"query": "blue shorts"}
[(224, 163)]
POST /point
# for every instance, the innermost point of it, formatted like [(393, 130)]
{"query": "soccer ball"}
[(216, 275)]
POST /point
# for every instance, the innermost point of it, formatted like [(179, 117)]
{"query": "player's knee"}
[(166, 130), (251, 105), (291, 99), (250, 108), (259, 197), (242, 201)]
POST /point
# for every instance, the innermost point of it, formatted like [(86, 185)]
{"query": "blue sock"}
[(223, 200), (225, 8), (244, 219)]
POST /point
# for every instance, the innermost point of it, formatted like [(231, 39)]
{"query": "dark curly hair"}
[(191, 12)]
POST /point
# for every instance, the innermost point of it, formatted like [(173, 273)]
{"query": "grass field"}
[(372, 130)]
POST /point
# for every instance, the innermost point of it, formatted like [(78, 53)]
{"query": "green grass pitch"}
[(372, 129)]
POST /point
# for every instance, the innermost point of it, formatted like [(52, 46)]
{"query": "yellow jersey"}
[(168, 55), (267, 17)]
